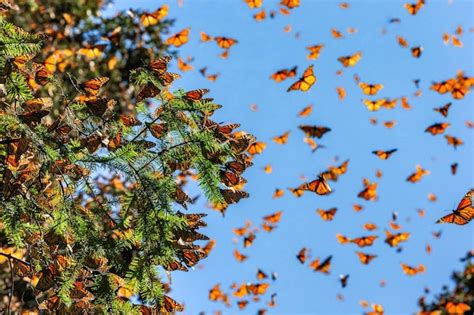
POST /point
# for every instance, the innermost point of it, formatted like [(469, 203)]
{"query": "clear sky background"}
[(264, 48)]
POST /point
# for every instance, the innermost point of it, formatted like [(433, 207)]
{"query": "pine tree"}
[(459, 299), (94, 160)]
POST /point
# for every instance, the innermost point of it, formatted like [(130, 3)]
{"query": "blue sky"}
[(264, 48)]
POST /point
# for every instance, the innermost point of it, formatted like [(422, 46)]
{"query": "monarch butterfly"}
[(242, 304), (443, 110), (248, 240), (178, 39), (333, 173), (260, 16), (417, 175), (463, 213), (273, 218), (389, 123), (357, 208), (92, 51), (254, 3), (258, 288), (92, 87), (321, 267), (384, 154), (364, 241), (413, 8), (374, 105), (459, 91), (365, 258), (267, 227), (278, 193), (327, 215), (456, 308), (394, 239), (377, 310), (305, 82), (443, 86), (282, 139), (318, 186), (150, 19), (215, 293), (416, 51), (370, 226), (241, 291), (314, 51), (196, 95), (175, 265), (302, 255), (454, 168), (455, 142), (341, 93), (297, 192), (205, 37), (184, 66), (336, 34), (351, 60), (256, 147), (437, 128), (343, 5), (237, 166), (343, 279), (314, 131), (233, 196), (212, 77), (305, 112), (98, 106), (290, 4), (411, 271), (159, 65), (456, 41), (402, 41), (284, 74), (225, 42), (342, 239), (170, 305), (229, 178), (42, 75), (370, 89), (239, 256), (369, 192)]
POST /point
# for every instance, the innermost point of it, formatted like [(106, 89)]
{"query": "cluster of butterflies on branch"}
[(458, 87)]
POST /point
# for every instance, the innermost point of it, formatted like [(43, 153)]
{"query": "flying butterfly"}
[(413, 8), (282, 139), (290, 4), (351, 60), (225, 42), (443, 110), (453, 141), (178, 39), (370, 89), (384, 154), (284, 74), (463, 213), (327, 215), (305, 82), (365, 258), (364, 241), (314, 131), (318, 186), (374, 105), (314, 51), (150, 19)]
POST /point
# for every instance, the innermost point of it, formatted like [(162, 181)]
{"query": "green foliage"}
[(91, 190)]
